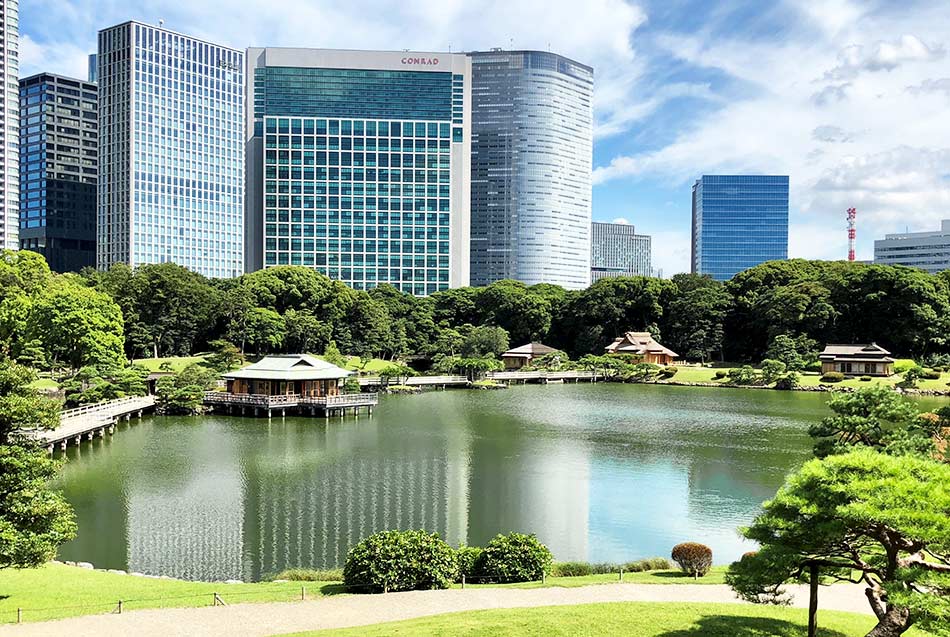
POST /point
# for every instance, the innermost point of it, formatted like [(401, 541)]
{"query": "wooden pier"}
[(90, 421), (264, 404)]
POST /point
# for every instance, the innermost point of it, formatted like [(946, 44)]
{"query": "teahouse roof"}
[(861, 353), (289, 367), (530, 350), (638, 343)]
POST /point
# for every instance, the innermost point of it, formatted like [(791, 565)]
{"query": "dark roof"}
[(871, 352), (638, 343)]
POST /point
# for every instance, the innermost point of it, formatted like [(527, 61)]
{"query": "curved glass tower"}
[(532, 150)]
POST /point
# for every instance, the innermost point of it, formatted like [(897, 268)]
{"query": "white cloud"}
[(621, 220), (832, 134), (882, 56), (63, 58)]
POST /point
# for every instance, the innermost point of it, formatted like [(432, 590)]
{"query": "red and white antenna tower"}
[(852, 231)]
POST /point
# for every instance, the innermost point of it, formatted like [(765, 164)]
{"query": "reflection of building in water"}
[(310, 510)]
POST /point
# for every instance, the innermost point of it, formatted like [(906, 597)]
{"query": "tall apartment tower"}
[(171, 151), (58, 168), (739, 221), (532, 154), (617, 250), (358, 165), (9, 125)]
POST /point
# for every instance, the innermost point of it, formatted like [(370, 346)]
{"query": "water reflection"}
[(598, 472)]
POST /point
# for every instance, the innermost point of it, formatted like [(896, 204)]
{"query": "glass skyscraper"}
[(617, 250), (171, 142), (739, 221), (58, 168), (9, 124), (532, 152), (358, 165)]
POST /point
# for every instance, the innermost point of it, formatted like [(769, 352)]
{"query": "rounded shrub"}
[(832, 377), (931, 375), (693, 558), (515, 557), (668, 372), (720, 374), (400, 561), (865, 379), (467, 561)]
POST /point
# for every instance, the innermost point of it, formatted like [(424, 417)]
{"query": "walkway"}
[(92, 419), (260, 620)]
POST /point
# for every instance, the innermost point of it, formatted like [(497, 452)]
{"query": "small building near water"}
[(298, 382), (857, 360), (642, 344), (520, 356)]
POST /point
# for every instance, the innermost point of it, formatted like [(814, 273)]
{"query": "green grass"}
[(627, 618), (808, 379), (45, 384), (373, 365), (56, 590), (177, 363)]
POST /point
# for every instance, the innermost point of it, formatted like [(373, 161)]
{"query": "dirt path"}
[(260, 620)]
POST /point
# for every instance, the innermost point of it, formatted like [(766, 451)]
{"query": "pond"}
[(599, 472)]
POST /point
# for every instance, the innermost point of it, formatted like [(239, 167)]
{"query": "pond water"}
[(599, 472)]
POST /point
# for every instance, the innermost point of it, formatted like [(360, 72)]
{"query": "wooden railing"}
[(569, 374), (119, 405), (252, 400)]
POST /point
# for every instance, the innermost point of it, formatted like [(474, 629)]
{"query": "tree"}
[(911, 375), (93, 384), (265, 330), (485, 340), (397, 371), (183, 393), (771, 370), (863, 517), (304, 332), (794, 352), (870, 417), (693, 322), (333, 356), (224, 356), (34, 520)]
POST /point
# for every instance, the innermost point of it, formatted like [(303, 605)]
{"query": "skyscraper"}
[(617, 250), (928, 251), (58, 168), (532, 151), (739, 221), (358, 165), (9, 125), (171, 142)]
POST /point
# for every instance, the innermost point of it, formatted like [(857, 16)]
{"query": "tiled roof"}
[(531, 349), (638, 343), (289, 367)]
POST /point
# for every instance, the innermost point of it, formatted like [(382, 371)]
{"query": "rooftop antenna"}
[(852, 231), (161, 22), (511, 42)]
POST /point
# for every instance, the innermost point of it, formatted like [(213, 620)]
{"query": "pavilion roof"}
[(289, 367)]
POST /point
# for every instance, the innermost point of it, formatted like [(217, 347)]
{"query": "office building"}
[(358, 165), (532, 145), (739, 221), (58, 168), (171, 142), (617, 250), (928, 251), (9, 125)]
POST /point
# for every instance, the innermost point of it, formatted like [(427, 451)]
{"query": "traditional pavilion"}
[(860, 360), (285, 375), (644, 345), (520, 356)]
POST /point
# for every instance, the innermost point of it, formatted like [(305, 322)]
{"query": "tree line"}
[(51, 321)]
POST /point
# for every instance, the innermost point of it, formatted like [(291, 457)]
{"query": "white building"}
[(358, 165), (10, 125), (617, 250), (928, 251), (171, 151)]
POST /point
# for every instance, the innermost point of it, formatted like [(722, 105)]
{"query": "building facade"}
[(739, 221), (171, 142), (532, 154), (928, 251), (358, 165), (58, 169), (617, 250), (9, 125)]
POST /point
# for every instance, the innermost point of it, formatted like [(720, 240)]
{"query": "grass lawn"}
[(373, 365), (56, 590), (629, 618), (177, 363), (808, 379), (45, 384)]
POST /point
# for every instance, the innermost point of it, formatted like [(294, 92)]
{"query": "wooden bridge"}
[(89, 421), (259, 404), (571, 376), (417, 381)]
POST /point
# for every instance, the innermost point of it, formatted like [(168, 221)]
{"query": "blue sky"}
[(848, 98)]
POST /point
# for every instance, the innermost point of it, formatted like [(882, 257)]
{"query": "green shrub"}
[(814, 366), (649, 564), (400, 561), (931, 375), (832, 377), (939, 369), (515, 557), (574, 569), (771, 370), (744, 375), (668, 372), (720, 374), (903, 364), (467, 557), (309, 575), (787, 381), (351, 385), (580, 569), (693, 558), (865, 379)]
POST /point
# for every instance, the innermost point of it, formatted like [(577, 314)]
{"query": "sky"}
[(850, 99)]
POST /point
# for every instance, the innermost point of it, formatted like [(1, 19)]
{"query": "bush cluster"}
[(832, 377), (931, 375), (720, 374), (308, 575), (668, 372), (515, 557), (400, 561), (580, 569), (468, 562), (693, 558), (865, 379)]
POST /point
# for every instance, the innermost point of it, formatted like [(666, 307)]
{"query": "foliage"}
[(351, 385), (788, 381), (582, 569), (832, 377), (911, 375), (862, 516), (642, 372), (34, 521), (870, 417), (693, 558), (693, 324), (551, 362), (333, 356), (400, 561), (771, 370), (484, 340), (744, 375), (473, 368), (224, 356), (22, 406), (796, 353), (183, 393), (308, 575), (515, 557), (668, 372), (395, 371), (467, 557), (94, 384)]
